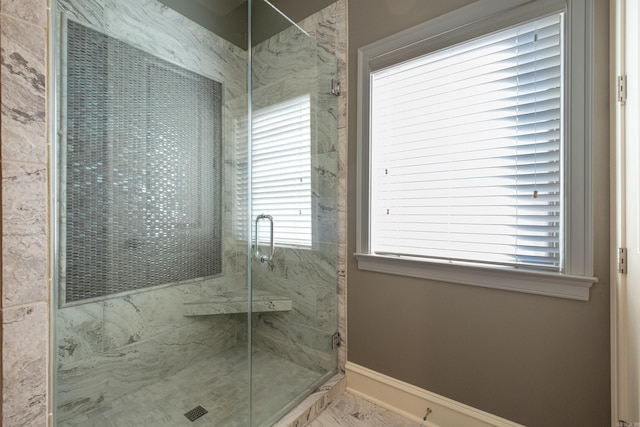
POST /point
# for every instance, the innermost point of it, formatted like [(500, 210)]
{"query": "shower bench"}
[(236, 302)]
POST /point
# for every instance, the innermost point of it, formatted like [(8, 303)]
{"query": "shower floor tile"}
[(220, 385)]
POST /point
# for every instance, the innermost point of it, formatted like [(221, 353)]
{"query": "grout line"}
[(23, 163), (21, 306)]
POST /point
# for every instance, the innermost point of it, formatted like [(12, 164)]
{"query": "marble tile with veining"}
[(327, 127), (342, 158), (24, 363), (322, 252), (341, 41), (219, 384), (24, 191), (328, 309), (326, 30), (324, 175), (144, 315), (85, 385), (32, 11), (203, 339), (303, 296), (310, 358), (23, 91), (155, 28), (342, 330), (229, 255), (24, 220), (341, 64), (279, 326), (237, 302), (315, 403), (24, 269), (341, 76), (79, 332), (326, 220), (348, 410), (315, 272), (167, 34), (268, 95), (230, 61), (271, 62), (304, 82), (163, 32), (83, 11)]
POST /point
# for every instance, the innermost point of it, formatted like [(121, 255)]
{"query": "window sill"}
[(506, 278)]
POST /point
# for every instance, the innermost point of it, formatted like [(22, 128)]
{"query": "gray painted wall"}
[(297, 10), (232, 25), (539, 361)]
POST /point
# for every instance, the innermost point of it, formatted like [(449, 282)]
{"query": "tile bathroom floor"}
[(348, 410), (220, 385)]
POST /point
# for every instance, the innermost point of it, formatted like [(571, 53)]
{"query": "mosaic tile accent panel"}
[(143, 169)]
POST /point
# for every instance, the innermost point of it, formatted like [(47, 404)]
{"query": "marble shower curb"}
[(313, 405)]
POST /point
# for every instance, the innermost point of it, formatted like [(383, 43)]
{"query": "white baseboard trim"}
[(412, 402)]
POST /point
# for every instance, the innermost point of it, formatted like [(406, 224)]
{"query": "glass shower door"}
[(293, 204)]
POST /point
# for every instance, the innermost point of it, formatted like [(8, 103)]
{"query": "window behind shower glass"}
[(280, 171)]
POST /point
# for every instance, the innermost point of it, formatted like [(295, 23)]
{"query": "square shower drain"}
[(196, 413)]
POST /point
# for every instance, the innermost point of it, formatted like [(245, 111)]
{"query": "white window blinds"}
[(281, 170), (465, 146)]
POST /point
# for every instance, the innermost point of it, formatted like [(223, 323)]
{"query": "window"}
[(470, 144), (281, 170)]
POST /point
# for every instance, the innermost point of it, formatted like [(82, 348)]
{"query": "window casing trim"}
[(536, 282), (481, 17)]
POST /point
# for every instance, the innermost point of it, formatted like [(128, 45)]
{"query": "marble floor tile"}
[(219, 384), (348, 410)]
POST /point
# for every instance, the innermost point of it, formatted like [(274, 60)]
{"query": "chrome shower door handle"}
[(258, 254)]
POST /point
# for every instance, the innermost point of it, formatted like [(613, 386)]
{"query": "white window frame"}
[(479, 18)]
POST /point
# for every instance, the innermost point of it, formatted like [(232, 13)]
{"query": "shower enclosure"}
[(195, 221)]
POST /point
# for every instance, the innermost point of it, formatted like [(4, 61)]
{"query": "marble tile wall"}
[(24, 299), (312, 277)]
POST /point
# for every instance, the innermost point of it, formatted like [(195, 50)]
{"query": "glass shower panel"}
[(294, 182), (151, 270), (168, 165)]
